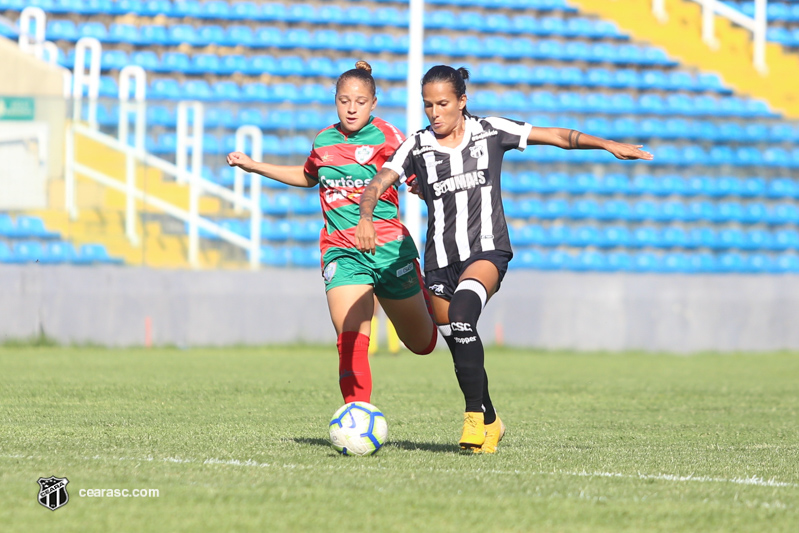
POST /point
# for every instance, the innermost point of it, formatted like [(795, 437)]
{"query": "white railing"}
[(758, 25), (197, 186)]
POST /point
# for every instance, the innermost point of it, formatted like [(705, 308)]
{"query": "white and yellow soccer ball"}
[(358, 428)]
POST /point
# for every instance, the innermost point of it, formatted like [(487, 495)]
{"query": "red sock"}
[(354, 374)]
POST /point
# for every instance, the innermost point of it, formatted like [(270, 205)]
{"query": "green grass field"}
[(236, 440)]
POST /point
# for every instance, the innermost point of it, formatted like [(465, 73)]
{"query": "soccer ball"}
[(358, 428)]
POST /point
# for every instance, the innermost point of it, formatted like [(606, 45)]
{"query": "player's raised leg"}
[(404, 299), (412, 321), (351, 309)]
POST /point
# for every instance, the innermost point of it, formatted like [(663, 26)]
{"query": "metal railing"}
[(197, 186), (758, 25)]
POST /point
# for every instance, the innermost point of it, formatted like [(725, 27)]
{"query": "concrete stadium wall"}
[(109, 306)]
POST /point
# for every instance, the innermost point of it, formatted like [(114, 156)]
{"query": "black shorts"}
[(442, 282)]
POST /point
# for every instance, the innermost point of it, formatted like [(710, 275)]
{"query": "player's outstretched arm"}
[(365, 236), (576, 140), (290, 175)]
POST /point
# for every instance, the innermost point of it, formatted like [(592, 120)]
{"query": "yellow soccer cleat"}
[(494, 433), (474, 431)]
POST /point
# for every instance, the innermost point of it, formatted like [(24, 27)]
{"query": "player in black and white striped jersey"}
[(457, 162)]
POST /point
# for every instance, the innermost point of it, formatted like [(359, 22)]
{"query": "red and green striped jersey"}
[(344, 166)]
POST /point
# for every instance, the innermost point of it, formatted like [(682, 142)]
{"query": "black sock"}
[(466, 346), (489, 414)]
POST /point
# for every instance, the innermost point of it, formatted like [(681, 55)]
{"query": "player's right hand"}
[(365, 236), (238, 159)]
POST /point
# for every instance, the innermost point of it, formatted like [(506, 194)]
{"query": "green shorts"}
[(399, 280)]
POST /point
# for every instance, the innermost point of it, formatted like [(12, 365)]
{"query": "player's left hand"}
[(628, 151), (365, 236), (414, 188)]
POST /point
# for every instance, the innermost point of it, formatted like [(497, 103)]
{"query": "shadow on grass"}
[(401, 444)]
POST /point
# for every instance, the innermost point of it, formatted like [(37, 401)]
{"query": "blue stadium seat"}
[(619, 262), (585, 209), (299, 13), (758, 240), (274, 255), (787, 263), (614, 184), (731, 262), (645, 236), (93, 29), (645, 262), (760, 263), (615, 237), (557, 260), (359, 15), (525, 258), (305, 256), (673, 237), (273, 11), (586, 236), (528, 234), (307, 231), (6, 255), (29, 251), (114, 59), (616, 210), (187, 8), (196, 90), (783, 214), (731, 238), (216, 9), (58, 252), (183, 34), (211, 35), (123, 33), (7, 226), (676, 262), (62, 30), (704, 262), (153, 35), (28, 227), (330, 14), (645, 210), (589, 261), (703, 238)]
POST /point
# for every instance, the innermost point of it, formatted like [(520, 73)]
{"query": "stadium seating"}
[(718, 197)]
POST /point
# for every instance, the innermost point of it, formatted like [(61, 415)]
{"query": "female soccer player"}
[(344, 158), (457, 162)]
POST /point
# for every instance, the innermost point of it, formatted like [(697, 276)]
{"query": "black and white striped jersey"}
[(461, 187)]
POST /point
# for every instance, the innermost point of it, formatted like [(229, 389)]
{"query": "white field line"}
[(754, 480)]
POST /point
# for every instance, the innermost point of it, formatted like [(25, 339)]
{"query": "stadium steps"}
[(112, 163), (107, 227), (101, 217), (681, 37)]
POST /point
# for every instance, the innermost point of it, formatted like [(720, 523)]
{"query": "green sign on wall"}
[(16, 108)]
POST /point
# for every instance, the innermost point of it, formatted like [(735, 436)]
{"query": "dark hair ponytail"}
[(362, 72), (456, 77)]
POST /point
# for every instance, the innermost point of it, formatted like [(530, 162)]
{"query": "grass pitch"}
[(236, 440)]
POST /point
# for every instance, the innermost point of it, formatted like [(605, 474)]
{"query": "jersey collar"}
[(354, 135), (469, 127)]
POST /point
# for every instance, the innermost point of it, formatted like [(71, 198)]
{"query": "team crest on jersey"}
[(330, 271), (478, 150), (364, 153)]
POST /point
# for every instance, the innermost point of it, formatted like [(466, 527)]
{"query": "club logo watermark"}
[(53, 492)]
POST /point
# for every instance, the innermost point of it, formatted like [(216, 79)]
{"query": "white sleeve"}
[(401, 161), (513, 133)]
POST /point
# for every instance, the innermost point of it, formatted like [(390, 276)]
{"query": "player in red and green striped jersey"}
[(344, 159)]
